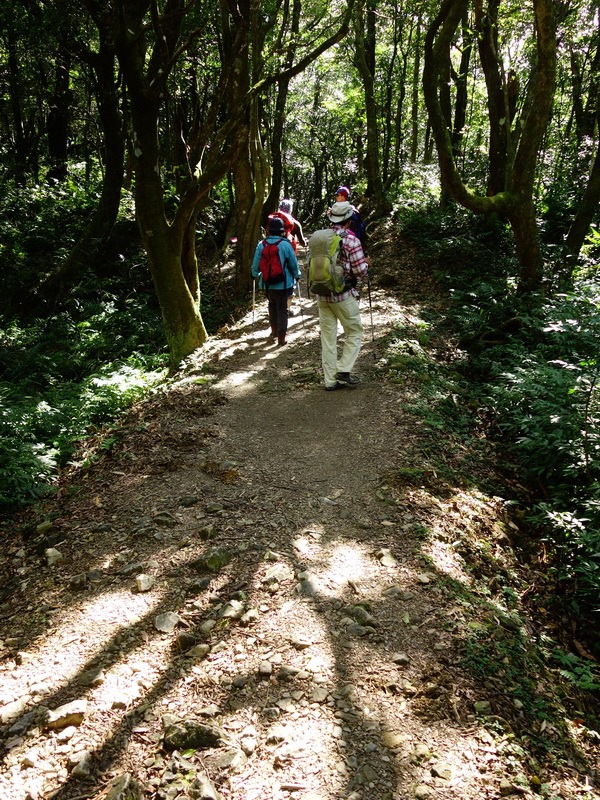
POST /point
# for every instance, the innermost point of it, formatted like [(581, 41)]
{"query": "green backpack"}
[(325, 271)]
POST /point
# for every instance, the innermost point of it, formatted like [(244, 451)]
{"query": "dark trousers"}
[(278, 311)]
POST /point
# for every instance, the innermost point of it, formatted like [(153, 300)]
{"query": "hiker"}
[(343, 306), (357, 226), (286, 270), (293, 229)]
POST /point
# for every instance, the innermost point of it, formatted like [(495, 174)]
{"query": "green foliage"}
[(69, 375), (581, 673), (33, 221), (535, 358)]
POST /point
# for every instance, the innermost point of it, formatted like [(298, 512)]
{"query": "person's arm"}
[(299, 233), (358, 263)]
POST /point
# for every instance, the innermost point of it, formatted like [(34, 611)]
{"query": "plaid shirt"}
[(353, 262)]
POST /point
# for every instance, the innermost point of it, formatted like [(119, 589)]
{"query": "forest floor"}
[(261, 590)]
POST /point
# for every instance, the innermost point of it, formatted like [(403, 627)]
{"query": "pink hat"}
[(343, 190)]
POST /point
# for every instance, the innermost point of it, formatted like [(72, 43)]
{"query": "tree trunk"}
[(365, 63), (278, 121), (586, 211), (414, 107), (487, 30), (164, 244), (88, 248), (20, 150), (461, 84), (516, 201), (58, 117)]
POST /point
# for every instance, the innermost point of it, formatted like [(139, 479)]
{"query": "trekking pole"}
[(300, 301), (253, 301), (370, 308)]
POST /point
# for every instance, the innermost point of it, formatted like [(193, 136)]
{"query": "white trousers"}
[(348, 314)]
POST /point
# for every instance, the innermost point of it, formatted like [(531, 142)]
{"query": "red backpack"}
[(270, 265)]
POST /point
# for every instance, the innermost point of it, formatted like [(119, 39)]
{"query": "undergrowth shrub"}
[(75, 371), (535, 360)]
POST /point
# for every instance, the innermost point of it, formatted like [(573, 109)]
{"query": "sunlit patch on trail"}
[(83, 637)]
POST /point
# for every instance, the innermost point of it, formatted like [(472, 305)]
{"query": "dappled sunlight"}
[(446, 560), (347, 562), (239, 382), (321, 610), (83, 634)]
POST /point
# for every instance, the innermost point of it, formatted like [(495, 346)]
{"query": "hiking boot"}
[(346, 377), (334, 387), (280, 340)]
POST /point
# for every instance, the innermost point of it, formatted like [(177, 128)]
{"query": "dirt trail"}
[(315, 636)]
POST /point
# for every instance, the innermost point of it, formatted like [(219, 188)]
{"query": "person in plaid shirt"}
[(343, 307)]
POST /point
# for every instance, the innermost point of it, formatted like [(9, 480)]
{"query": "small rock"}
[(422, 792), (443, 771), (143, 582), (420, 753), (53, 556), (232, 759), (192, 735), (286, 672), (12, 710), (92, 677), (214, 561), (362, 616), (231, 610), (278, 733), (300, 641), (30, 759), (393, 739), (319, 695), (212, 710), (167, 622), (401, 659), (265, 668), (208, 532), (80, 764), (80, 581), (277, 574), (206, 627), (166, 519), (66, 734), (203, 789), (385, 557), (67, 714), (123, 787), (286, 704), (186, 641), (199, 652), (249, 617), (370, 773), (482, 707)]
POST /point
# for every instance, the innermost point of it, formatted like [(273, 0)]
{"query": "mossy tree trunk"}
[(516, 200)]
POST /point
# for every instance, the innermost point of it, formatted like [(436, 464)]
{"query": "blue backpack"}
[(357, 226)]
